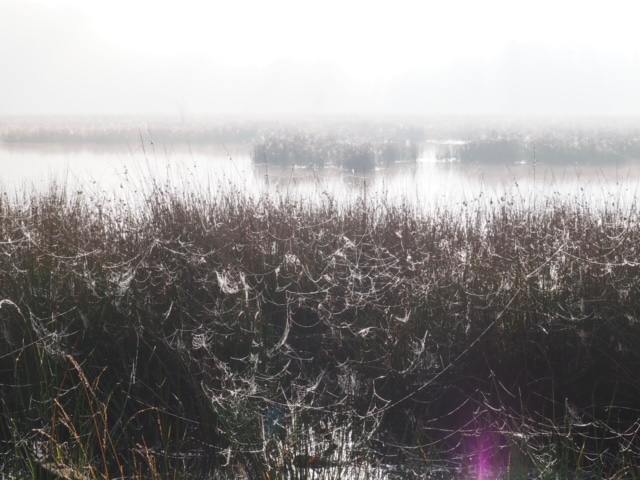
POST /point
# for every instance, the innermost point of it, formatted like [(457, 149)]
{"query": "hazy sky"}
[(335, 56)]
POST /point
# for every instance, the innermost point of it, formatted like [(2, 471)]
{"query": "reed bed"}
[(222, 335)]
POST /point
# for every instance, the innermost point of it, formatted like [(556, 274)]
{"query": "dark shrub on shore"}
[(287, 150), (193, 331)]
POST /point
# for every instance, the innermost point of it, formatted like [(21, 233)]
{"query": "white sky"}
[(331, 56)]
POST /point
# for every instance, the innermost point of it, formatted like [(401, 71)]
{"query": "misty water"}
[(429, 182)]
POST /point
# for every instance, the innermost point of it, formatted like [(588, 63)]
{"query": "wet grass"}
[(217, 335)]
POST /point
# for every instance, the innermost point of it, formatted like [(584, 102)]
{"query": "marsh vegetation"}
[(210, 332)]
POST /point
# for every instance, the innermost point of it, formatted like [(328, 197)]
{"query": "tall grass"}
[(191, 334)]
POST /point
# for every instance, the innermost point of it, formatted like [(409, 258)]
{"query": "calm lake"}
[(440, 175), (429, 182)]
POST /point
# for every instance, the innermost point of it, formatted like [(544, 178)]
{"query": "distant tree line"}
[(104, 130), (199, 130), (329, 150), (551, 149)]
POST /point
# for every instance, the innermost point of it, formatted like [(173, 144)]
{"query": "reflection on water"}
[(428, 183), (112, 167)]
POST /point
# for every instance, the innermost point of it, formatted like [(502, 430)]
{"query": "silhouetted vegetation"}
[(185, 334), (320, 151), (551, 150)]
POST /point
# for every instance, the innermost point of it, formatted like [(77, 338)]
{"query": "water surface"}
[(428, 182)]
